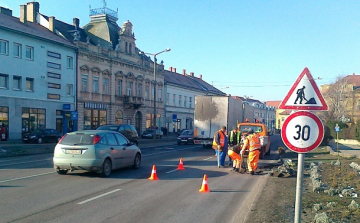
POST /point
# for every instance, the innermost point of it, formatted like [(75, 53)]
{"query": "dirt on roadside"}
[(276, 203)]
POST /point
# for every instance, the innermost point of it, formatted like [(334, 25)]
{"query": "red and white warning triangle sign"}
[(304, 95)]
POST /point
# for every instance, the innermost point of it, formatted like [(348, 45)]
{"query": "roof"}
[(352, 79), (32, 29), (285, 113), (190, 82), (273, 103)]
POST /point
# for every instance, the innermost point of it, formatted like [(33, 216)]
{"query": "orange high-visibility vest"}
[(222, 139), (254, 142)]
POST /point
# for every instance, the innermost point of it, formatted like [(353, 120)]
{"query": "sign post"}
[(302, 131), (337, 129)]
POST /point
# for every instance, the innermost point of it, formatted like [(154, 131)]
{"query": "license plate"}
[(184, 140), (25, 139), (73, 151)]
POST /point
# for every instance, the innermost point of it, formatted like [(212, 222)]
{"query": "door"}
[(115, 150), (127, 152)]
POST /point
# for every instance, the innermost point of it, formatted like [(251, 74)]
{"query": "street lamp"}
[(155, 54)]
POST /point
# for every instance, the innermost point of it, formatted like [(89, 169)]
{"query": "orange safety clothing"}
[(252, 142), (253, 160), (222, 139), (235, 158)]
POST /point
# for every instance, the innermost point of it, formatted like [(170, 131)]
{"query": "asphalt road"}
[(31, 191)]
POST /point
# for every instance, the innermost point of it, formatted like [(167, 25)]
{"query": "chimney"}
[(76, 23), (32, 11), (174, 69), (23, 17), (52, 23), (184, 72), (5, 11), (200, 76), (192, 74), (170, 69)]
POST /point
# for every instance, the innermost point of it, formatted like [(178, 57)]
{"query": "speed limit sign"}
[(302, 131)]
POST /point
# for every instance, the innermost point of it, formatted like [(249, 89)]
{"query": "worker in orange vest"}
[(220, 144), (252, 142)]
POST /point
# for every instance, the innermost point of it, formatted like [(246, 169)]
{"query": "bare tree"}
[(338, 98)]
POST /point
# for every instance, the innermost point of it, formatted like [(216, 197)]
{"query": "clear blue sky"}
[(255, 48)]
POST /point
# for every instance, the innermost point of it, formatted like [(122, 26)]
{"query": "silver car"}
[(99, 151)]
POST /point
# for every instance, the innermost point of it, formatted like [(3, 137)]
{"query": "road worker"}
[(252, 142), (234, 149), (220, 143)]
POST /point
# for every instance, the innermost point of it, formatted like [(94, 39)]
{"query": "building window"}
[(94, 118), (4, 81), (70, 62), (4, 47), (174, 99), (53, 75), (119, 86), (106, 86), (54, 85), (130, 48), (126, 47), (147, 89), (33, 118), (17, 83), (29, 84), (4, 118), (139, 90), (54, 65), (185, 101), (54, 55), (53, 96), (167, 98), (180, 100), (190, 102), (160, 94), (29, 53), (69, 90), (119, 118), (17, 50), (84, 82), (96, 84), (130, 89)]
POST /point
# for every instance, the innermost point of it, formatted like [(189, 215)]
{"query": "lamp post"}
[(155, 54)]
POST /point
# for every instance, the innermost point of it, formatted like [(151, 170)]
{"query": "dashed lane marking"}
[(101, 195)]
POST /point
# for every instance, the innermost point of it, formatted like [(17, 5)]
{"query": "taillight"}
[(96, 139), (62, 138)]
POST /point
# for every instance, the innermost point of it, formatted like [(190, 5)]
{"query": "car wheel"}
[(137, 161), (106, 168), (262, 153), (40, 140), (62, 172)]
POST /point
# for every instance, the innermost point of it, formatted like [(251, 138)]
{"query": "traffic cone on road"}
[(204, 186), (153, 174), (181, 165)]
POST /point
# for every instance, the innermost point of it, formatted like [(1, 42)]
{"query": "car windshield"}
[(246, 128), (37, 131), (78, 139), (187, 132)]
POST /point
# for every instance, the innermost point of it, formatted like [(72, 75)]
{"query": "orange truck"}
[(263, 132)]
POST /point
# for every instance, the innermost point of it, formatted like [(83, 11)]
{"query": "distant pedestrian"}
[(3, 132), (166, 131)]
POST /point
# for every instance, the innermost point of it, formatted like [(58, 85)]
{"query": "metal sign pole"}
[(299, 185), (337, 143)]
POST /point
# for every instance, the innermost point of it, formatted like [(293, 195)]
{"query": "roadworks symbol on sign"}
[(304, 94)]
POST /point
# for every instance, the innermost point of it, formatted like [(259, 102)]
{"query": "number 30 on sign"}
[(302, 131)]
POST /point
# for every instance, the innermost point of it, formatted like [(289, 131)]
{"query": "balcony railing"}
[(104, 11)]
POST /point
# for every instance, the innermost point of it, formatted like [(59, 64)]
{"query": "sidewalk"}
[(18, 148), (345, 149)]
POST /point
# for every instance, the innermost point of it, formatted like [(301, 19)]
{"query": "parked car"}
[(149, 134), (128, 131), (186, 137), (181, 131), (42, 135), (99, 151)]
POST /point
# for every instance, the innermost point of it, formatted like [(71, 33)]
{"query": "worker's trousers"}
[(253, 159), (235, 157)]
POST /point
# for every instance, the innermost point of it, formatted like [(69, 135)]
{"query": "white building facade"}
[(37, 74)]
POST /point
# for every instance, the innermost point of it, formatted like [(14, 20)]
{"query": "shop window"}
[(33, 118), (94, 118), (119, 118)]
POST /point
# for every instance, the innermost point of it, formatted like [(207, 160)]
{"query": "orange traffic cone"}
[(153, 174), (181, 165), (204, 187)]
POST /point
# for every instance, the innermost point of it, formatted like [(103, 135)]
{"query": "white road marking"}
[(101, 195), (208, 158), (20, 178), (171, 171)]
